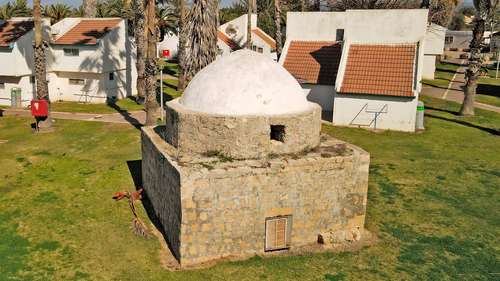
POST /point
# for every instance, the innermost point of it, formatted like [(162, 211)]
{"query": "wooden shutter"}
[(278, 233)]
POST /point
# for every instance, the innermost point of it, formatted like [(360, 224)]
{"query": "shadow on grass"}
[(126, 115), (488, 90), (135, 169), (495, 132)]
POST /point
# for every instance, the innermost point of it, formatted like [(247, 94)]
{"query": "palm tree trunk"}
[(303, 7), (89, 8), (182, 46), (42, 89), (277, 23), (140, 47), (201, 25), (473, 70), (151, 103), (249, 24)]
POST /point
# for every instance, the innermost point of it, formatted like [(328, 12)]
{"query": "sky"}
[(76, 3)]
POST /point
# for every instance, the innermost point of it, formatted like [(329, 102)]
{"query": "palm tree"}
[(249, 24), (42, 90), (139, 27), (57, 12), (201, 46), (151, 36), (182, 45), (484, 13), (277, 22), (89, 8), (18, 9), (167, 19)]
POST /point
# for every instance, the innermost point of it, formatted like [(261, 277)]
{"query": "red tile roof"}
[(86, 32), (266, 38), (315, 62), (228, 41), (380, 70), (11, 30)]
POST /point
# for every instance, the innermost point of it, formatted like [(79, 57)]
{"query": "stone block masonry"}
[(214, 207)]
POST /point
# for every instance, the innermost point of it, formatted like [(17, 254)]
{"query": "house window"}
[(111, 76), (278, 233), (278, 133), (2, 85), (71, 52), (76, 81), (254, 48), (339, 35), (448, 39), (260, 50), (32, 79)]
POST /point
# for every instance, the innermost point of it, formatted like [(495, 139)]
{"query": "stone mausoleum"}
[(241, 167)]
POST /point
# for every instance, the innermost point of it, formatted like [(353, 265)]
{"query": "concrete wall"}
[(240, 25), (434, 39), (429, 67), (315, 26), (225, 205), (400, 112), (97, 87), (323, 95), (386, 26), (23, 82)]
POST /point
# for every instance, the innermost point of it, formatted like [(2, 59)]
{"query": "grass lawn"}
[(127, 104), (488, 87), (433, 201)]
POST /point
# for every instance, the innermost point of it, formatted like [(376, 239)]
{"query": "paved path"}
[(455, 91), (134, 118)]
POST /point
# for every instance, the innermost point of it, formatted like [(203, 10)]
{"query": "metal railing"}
[(376, 114)]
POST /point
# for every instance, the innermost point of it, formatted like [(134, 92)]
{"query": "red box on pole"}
[(39, 108), (165, 53)]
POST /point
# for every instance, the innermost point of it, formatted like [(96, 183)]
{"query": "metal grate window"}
[(278, 231)]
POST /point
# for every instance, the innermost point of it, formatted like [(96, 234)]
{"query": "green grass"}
[(488, 87), (433, 201), (127, 104), (170, 88), (171, 68)]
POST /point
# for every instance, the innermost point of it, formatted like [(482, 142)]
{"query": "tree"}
[(201, 45), (441, 11), (57, 12), (457, 22), (484, 14), (249, 24), (18, 9), (150, 36), (42, 89), (342, 5), (139, 31), (277, 22), (89, 8), (181, 8)]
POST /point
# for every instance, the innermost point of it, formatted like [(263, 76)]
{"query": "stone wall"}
[(162, 183), (239, 137), (225, 203)]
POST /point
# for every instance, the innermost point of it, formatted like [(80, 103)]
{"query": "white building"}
[(93, 60), (231, 36), (363, 73), (433, 47), (459, 40), (16, 58)]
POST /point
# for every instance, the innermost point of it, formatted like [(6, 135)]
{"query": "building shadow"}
[(488, 90), (135, 169), (328, 57), (495, 132)]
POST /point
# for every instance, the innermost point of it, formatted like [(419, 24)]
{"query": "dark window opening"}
[(278, 133), (32, 79), (340, 35), (111, 76)]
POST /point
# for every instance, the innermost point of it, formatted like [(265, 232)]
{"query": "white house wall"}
[(97, 87), (240, 23), (23, 82), (317, 26), (429, 67), (351, 110), (434, 39)]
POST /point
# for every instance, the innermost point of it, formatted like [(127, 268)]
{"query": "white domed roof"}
[(244, 83)]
